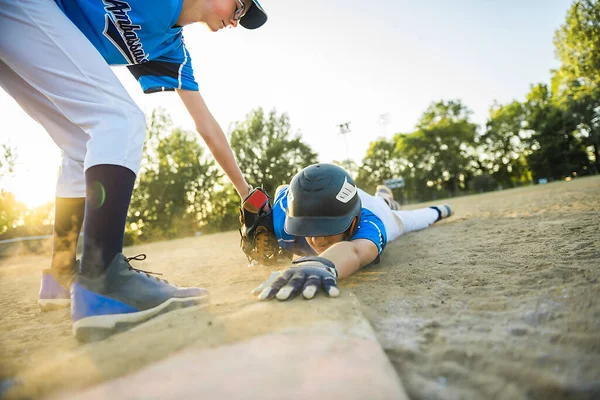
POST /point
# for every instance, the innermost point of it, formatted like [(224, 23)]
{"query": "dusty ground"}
[(500, 301)]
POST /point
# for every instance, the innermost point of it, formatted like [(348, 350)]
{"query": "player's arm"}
[(173, 71), (349, 257), (215, 139), (307, 275)]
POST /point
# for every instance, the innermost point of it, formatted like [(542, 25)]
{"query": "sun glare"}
[(32, 194), (37, 158)]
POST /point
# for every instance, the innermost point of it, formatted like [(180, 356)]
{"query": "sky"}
[(330, 62)]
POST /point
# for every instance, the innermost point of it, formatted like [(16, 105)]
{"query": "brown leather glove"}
[(258, 240)]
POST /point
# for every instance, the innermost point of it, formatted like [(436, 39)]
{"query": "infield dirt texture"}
[(500, 301)]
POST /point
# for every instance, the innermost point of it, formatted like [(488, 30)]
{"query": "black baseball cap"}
[(255, 16)]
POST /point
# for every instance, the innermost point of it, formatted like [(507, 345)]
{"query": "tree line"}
[(553, 133)]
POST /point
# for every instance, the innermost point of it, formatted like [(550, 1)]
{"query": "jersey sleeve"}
[(371, 228), (279, 207), (167, 72)]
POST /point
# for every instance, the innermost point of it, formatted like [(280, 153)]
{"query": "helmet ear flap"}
[(352, 229)]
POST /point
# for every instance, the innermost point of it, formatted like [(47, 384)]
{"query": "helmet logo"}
[(347, 192)]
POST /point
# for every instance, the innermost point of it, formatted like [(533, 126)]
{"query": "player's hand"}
[(306, 275)]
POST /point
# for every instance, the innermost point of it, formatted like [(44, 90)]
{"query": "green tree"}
[(349, 165), (503, 146), (556, 151), (10, 209), (266, 151), (440, 154), (576, 84), (379, 164), (225, 214), (586, 110), (577, 43), (8, 158), (175, 186)]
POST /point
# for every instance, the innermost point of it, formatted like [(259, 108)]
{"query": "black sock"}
[(68, 218), (109, 189), (439, 213)]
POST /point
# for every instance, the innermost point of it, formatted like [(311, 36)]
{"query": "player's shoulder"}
[(371, 224), (371, 227), (280, 207), (281, 193), (368, 215)]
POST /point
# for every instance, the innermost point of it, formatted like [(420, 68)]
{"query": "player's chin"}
[(213, 27)]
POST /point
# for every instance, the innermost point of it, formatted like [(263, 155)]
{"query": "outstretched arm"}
[(215, 139), (308, 274), (348, 257)]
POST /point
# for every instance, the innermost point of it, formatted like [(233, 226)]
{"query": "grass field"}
[(500, 301)]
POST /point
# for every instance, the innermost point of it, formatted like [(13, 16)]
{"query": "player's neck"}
[(191, 11)]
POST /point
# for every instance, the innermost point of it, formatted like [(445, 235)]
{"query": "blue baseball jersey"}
[(139, 33), (370, 227)]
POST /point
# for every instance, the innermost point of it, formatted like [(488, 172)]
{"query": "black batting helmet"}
[(322, 201)]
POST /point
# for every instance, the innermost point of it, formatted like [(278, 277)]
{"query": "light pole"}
[(344, 129), (384, 121)]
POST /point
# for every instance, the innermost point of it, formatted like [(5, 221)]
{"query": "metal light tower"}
[(344, 129), (384, 121)]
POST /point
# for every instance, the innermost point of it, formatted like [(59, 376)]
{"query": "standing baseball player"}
[(335, 227), (54, 60)]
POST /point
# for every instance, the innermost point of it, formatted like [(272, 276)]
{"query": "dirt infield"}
[(325, 350), (500, 301)]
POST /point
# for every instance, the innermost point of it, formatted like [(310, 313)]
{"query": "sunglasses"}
[(240, 12)]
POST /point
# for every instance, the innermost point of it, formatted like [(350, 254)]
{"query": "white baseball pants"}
[(398, 222), (57, 76)]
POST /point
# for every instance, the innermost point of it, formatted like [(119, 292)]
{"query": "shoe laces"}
[(149, 274)]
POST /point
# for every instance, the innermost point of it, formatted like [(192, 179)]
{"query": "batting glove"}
[(306, 275)]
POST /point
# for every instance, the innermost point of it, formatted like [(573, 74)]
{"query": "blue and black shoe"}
[(123, 297), (54, 289)]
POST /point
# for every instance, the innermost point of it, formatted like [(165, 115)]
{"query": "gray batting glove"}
[(306, 275)]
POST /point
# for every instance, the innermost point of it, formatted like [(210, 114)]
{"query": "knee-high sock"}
[(108, 189), (415, 220), (68, 218)]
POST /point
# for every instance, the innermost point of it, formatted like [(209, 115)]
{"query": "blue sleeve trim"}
[(153, 84)]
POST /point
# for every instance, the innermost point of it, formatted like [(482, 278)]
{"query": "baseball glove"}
[(257, 233)]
